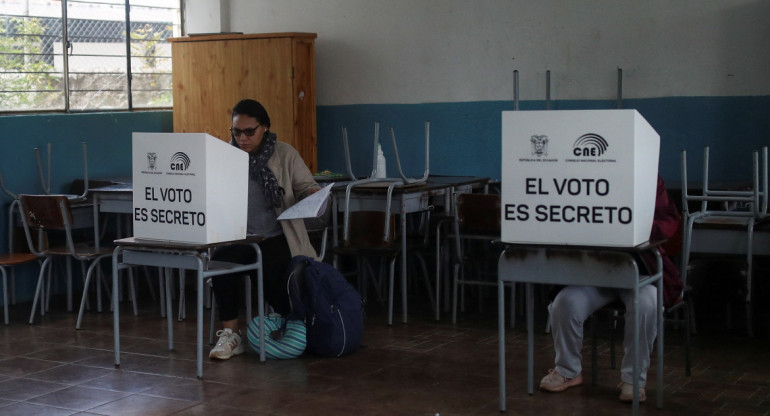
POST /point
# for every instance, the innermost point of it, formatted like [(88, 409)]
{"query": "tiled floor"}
[(420, 368)]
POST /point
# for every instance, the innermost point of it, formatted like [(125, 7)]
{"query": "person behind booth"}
[(278, 178), (574, 304)]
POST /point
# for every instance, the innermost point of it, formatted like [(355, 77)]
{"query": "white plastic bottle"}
[(380, 163)]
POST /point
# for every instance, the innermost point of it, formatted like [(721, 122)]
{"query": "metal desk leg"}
[(69, 287), (182, 297), (438, 270), (115, 306), (635, 404), (169, 315), (98, 277), (403, 259), (260, 304), (199, 336), (501, 340), (162, 290), (96, 220), (335, 234), (661, 328), (530, 295), (5, 295)]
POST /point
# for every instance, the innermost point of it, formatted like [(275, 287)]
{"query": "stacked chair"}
[(372, 234), (725, 208), (43, 215), (18, 255)]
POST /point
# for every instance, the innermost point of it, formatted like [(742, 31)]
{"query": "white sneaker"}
[(229, 344), (627, 393)]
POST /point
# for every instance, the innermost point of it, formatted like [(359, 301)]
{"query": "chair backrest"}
[(366, 230), (478, 213), (48, 212), (42, 213)]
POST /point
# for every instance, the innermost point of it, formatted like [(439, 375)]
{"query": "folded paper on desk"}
[(311, 207)]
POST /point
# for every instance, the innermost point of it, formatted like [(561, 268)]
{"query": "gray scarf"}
[(259, 171)]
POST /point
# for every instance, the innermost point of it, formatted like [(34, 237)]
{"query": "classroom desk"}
[(572, 265), (728, 239), (117, 198), (132, 251), (406, 199)]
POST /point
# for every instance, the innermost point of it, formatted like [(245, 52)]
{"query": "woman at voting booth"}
[(574, 304), (278, 178)]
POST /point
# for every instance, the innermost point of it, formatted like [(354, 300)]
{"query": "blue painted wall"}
[(465, 137), (108, 138), (465, 140)]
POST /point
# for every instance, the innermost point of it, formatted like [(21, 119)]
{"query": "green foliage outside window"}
[(145, 44), (27, 81)]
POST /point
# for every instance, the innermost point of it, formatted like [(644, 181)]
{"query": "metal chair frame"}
[(44, 213), (8, 260), (46, 185), (476, 218), (755, 201), (386, 246)]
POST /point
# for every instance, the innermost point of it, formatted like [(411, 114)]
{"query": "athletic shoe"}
[(229, 344), (556, 382), (627, 393)]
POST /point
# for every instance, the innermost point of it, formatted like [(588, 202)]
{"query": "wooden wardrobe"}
[(213, 72)]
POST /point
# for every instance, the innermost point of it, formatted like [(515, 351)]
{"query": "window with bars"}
[(110, 55)]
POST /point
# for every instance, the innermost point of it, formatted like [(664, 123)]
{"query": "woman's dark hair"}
[(253, 109)]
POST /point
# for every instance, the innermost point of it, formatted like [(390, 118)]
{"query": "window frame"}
[(64, 41)]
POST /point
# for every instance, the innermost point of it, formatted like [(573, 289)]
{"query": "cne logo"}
[(180, 161), (591, 145)]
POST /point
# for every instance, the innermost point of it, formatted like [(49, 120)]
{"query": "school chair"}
[(726, 209), (53, 214), (477, 246)]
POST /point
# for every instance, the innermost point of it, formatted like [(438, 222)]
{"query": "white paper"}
[(311, 207)]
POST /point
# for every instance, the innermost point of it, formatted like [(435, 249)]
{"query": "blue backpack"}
[(330, 307)]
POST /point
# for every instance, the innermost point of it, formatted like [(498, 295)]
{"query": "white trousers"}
[(574, 304)]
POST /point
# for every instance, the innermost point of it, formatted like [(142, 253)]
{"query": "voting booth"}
[(583, 177), (189, 187)]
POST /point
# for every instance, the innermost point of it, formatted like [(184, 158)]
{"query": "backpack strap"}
[(295, 286)]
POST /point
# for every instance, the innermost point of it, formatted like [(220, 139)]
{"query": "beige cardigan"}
[(297, 181)]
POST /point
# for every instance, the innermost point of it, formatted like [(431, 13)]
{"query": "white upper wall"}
[(415, 51), (207, 16)]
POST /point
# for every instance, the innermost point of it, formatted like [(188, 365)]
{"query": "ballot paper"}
[(311, 207)]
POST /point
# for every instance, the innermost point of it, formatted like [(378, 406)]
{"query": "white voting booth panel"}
[(189, 187), (582, 177)]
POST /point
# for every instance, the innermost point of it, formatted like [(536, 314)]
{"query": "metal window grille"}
[(117, 54)]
